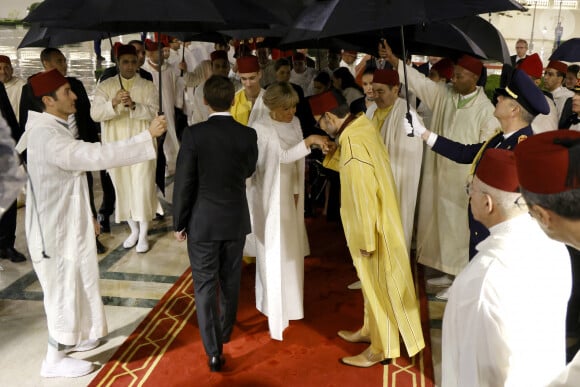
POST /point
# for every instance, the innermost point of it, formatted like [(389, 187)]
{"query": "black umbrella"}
[(568, 51), (486, 36), (340, 17), (37, 36)]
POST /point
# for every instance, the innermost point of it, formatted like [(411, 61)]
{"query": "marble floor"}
[(131, 284)]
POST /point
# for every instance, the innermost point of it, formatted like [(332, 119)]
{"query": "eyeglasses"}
[(520, 203), (317, 125)]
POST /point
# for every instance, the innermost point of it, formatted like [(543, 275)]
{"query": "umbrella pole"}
[(116, 62), (160, 51), (408, 115), (182, 55)]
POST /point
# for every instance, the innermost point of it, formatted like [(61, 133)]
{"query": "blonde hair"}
[(280, 94)]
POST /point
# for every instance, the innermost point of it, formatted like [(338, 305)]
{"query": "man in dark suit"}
[(517, 105), (210, 210), (521, 49)]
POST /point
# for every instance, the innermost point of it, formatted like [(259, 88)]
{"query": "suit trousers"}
[(216, 267), (8, 227)]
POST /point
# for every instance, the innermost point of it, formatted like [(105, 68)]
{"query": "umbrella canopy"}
[(486, 36), (151, 15), (54, 37), (340, 17), (569, 51), (440, 38)]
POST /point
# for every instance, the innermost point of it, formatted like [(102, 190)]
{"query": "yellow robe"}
[(372, 222)]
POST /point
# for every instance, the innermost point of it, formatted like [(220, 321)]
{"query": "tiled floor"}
[(131, 284)]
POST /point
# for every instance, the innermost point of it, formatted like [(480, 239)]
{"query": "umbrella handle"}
[(408, 114)]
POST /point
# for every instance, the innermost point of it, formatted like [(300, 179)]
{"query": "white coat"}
[(278, 231), (59, 222), (405, 155), (442, 222), (546, 122), (134, 185), (507, 309)]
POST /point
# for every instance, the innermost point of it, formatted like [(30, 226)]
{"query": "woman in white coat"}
[(276, 198)]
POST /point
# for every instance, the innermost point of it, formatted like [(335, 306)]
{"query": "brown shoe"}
[(354, 337), (365, 359)]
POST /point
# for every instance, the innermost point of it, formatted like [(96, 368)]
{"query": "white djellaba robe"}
[(14, 90), (136, 196), (442, 221), (278, 236), (546, 122), (499, 328), (304, 80), (406, 155), (172, 98), (58, 211)]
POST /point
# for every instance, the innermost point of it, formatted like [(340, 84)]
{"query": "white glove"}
[(417, 128)]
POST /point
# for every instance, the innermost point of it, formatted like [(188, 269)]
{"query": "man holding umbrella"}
[(463, 113)]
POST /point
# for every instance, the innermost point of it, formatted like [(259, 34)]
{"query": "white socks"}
[(58, 365), (132, 239), (143, 244)]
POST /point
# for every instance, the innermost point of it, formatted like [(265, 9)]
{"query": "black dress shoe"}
[(12, 254), (216, 363), (101, 249), (104, 223)]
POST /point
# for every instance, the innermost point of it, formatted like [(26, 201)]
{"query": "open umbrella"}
[(54, 37), (339, 17), (485, 35), (569, 51)]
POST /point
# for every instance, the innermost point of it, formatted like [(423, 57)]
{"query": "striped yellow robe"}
[(372, 222)]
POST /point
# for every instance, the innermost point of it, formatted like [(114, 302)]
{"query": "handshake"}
[(323, 142)]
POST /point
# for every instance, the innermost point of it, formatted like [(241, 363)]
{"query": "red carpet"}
[(166, 350)]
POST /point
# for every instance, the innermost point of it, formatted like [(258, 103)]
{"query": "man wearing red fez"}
[(405, 152), (302, 75), (532, 65), (550, 183), (462, 113), (442, 71), (374, 233), (172, 98), (60, 228), (53, 58), (125, 110), (492, 331), (248, 105), (220, 65), (517, 105), (12, 84), (554, 78)]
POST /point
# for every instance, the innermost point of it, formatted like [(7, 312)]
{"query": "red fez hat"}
[(218, 54), (125, 49), (497, 168), (558, 66), (531, 65), (298, 57), (152, 46), (350, 52), (386, 77), (322, 103), (277, 53), (548, 162), (46, 82), (470, 63), (5, 59), (444, 68), (248, 64)]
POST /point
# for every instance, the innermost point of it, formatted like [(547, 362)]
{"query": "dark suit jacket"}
[(88, 129), (513, 58), (214, 161), (465, 154), (568, 117)]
